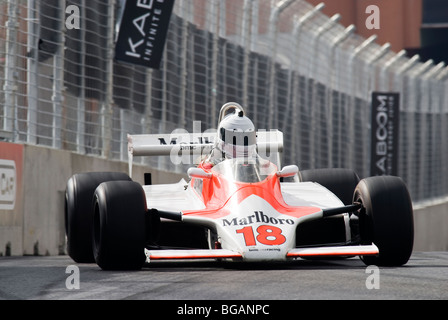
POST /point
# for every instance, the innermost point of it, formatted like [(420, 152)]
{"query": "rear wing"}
[(190, 148)]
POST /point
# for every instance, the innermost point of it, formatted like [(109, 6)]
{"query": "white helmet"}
[(236, 135)]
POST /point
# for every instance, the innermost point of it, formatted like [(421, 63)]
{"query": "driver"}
[(236, 138)]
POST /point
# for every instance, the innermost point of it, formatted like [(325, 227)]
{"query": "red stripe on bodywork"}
[(221, 195)]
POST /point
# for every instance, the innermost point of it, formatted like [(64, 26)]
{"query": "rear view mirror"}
[(198, 173), (288, 171)]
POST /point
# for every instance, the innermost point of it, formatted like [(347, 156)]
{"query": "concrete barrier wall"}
[(431, 226), (35, 226)]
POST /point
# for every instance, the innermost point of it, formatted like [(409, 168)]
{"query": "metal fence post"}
[(10, 85), (384, 83), (246, 39), (214, 28), (442, 87), (370, 64), (32, 71), (147, 124), (106, 108), (273, 20), (298, 24), (351, 110), (58, 80), (311, 75), (369, 88), (407, 132), (164, 101), (81, 124), (332, 86), (185, 7), (429, 150), (416, 89), (253, 47)]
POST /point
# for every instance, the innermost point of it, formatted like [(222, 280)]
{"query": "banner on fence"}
[(385, 130), (142, 32)]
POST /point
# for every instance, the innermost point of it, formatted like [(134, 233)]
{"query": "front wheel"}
[(386, 219), (79, 211), (119, 226)]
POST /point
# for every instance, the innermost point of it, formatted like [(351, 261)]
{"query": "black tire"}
[(386, 219), (342, 182), (119, 225), (79, 212)]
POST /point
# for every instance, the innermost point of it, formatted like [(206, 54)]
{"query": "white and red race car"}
[(238, 205)]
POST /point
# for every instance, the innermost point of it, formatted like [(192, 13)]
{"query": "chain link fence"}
[(290, 66)]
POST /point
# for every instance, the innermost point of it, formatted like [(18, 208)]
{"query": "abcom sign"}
[(385, 128)]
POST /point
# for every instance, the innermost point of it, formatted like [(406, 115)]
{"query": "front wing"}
[(334, 251)]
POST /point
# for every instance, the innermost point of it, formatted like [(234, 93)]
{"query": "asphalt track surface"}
[(39, 277)]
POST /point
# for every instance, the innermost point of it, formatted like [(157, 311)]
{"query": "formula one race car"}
[(237, 206)]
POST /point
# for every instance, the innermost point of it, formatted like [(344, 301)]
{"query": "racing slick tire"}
[(79, 212), (119, 225), (386, 219), (342, 182)]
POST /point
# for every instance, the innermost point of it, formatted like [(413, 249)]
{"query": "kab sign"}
[(142, 33), (385, 129)]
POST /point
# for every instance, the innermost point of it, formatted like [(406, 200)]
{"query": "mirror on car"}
[(198, 173), (288, 171)]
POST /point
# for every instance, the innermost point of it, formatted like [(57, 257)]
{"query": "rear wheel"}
[(342, 182), (386, 219), (79, 212), (119, 225)]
